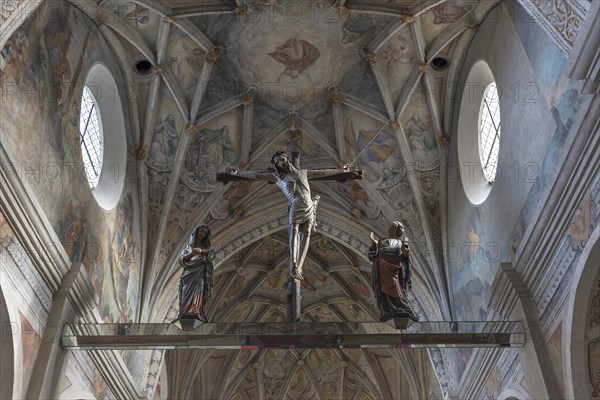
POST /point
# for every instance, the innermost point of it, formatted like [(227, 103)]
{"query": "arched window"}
[(479, 133), (91, 137), (103, 136), (489, 131)]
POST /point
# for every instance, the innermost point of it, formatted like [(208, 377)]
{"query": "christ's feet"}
[(295, 274)]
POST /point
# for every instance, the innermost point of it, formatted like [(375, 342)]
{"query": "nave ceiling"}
[(343, 83)]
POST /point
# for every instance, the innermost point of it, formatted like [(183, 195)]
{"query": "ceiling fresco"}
[(340, 82)]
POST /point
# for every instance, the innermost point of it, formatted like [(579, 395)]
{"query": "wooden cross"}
[(294, 182)]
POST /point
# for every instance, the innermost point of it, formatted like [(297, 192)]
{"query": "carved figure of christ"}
[(294, 183)]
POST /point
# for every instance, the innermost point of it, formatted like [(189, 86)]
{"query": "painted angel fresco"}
[(122, 255), (398, 50), (73, 231), (209, 151), (360, 197), (70, 136), (420, 139), (374, 146), (186, 60), (5, 232), (583, 224), (164, 140), (139, 15), (356, 27), (450, 11)]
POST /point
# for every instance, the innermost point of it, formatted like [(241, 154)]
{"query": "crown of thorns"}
[(277, 154)]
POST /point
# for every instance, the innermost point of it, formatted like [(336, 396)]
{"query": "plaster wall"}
[(482, 236), (46, 63), (540, 110), (44, 67)]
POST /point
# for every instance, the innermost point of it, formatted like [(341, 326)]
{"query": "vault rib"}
[(317, 137), (408, 90), (364, 107), (152, 106), (267, 140), (338, 123), (247, 123), (225, 393), (449, 34), (379, 375), (406, 362), (382, 84), (384, 9), (186, 26), (407, 157), (432, 103), (104, 16), (218, 109)]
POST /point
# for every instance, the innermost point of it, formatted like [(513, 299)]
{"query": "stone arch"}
[(76, 393), (11, 334), (586, 276), (7, 352), (513, 394)]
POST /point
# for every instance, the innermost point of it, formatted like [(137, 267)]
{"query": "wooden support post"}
[(294, 301)]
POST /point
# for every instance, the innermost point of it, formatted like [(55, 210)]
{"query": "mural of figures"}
[(5, 231), (123, 256), (238, 284), (185, 59), (397, 57), (14, 55), (360, 197), (583, 223), (450, 10), (398, 49), (357, 27), (208, 153), (58, 41), (137, 16), (297, 59), (301, 387), (274, 314), (70, 136), (73, 230), (293, 138), (421, 140), (31, 341), (439, 18), (236, 192), (375, 146), (472, 273), (276, 364), (325, 361), (326, 250), (358, 283), (594, 367), (164, 140)]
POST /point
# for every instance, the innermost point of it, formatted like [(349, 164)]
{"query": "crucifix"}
[(302, 208)]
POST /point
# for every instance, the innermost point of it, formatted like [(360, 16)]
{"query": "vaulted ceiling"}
[(218, 84)]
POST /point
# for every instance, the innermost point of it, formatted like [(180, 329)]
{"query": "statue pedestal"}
[(401, 323), (188, 324)]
